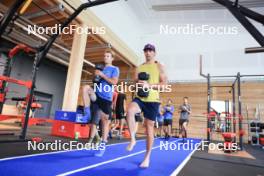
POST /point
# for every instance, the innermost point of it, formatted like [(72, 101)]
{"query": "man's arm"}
[(112, 81), (180, 109), (114, 100), (172, 109), (163, 80), (189, 110)]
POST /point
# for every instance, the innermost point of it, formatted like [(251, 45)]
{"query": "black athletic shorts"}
[(100, 104), (181, 121), (150, 109), (167, 122), (120, 115), (138, 117), (158, 124)]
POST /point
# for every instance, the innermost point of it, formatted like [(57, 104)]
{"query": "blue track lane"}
[(117, 160)]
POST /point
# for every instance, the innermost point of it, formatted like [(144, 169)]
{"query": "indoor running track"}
[(116, 160)]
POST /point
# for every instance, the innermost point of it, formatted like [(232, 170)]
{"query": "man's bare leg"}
[(88, 95), (136, 127), (93, 126), (185, 129), (93, 132), (150, 139), (169, 130), (116, 124), (160, 131), (133, 108), (180, 131), (105, 131), (105, 126), (166, 131), (121, 128)]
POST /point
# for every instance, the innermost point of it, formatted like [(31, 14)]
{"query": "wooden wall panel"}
[(252, 97)]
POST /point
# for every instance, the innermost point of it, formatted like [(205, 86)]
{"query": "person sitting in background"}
[(168, 116)]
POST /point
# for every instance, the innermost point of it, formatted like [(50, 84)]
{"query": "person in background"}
[(185, 111), (159, 123), (112, 119), (168, 116), (120, 111)]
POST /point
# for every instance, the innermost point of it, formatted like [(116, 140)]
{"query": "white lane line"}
[(109, 161), (180, 167), (63, 151)]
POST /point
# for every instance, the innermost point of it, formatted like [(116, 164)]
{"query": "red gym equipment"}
[(5, 79)]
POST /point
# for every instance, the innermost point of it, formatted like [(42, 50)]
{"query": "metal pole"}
[(29, 100), (208, 107), (224, 76), (254, 50), (9, 16), (7, 72), (234, 108), (239, 110), (227, 120)]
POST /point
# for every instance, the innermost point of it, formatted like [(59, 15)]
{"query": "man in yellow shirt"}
[(149, 104)]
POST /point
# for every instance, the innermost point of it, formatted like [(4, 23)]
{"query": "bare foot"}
[(145, 163), (131, 145)]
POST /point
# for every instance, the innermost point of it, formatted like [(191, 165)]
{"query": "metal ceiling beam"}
[(241, 13), (57, 8), (254, 50), (9, 15), (203, 6), (243, 9)]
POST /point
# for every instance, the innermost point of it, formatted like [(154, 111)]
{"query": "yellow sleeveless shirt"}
[(153, 71)]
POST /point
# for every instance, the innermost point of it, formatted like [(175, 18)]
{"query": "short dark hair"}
[(186, 98), (110, 52)]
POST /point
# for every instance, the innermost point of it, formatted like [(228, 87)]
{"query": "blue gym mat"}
[(116, 160)]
